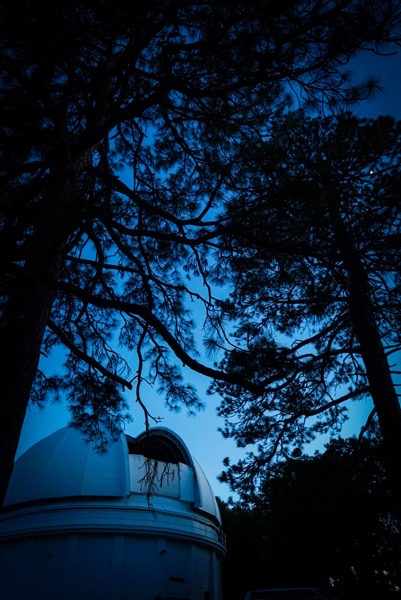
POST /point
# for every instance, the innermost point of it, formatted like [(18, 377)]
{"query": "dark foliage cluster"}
[(315, 254), (122, 125), (328, 520)]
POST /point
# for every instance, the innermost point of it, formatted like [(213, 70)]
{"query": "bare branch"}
[(63, 337)]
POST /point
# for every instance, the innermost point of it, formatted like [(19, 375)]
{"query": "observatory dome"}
[(83, 524)]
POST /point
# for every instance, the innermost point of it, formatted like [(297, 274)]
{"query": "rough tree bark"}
[(26, 313), (362, 313)]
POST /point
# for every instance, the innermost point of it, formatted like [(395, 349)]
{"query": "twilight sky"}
[(200, 433)]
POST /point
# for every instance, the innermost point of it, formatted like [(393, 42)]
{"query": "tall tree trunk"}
[(363, 317), (382, 389), (25, 317)]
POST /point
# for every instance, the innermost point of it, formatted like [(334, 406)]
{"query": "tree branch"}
[(151, 319), (85, 357), (337, 401)]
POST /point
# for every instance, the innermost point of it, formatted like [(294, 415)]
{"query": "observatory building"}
[(137, 522)]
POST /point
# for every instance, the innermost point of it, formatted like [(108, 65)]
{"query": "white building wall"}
[(100, 537), (107, 567)]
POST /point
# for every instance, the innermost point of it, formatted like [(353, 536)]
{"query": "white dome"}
[(137, 521), (64, 465)]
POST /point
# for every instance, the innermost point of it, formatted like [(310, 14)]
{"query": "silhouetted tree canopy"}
[(315, 303), (328, 520), (113, 114)]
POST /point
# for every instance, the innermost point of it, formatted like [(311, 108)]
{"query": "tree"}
[(326, 520), (316, 296), (247, 557), (110, 112)]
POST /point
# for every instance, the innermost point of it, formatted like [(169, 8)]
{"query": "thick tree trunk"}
[(363, 317), (21, 335), (24, 321), (381, 384)]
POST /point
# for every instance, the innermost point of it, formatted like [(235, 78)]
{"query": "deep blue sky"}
[(200, 433), (388, 70)]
